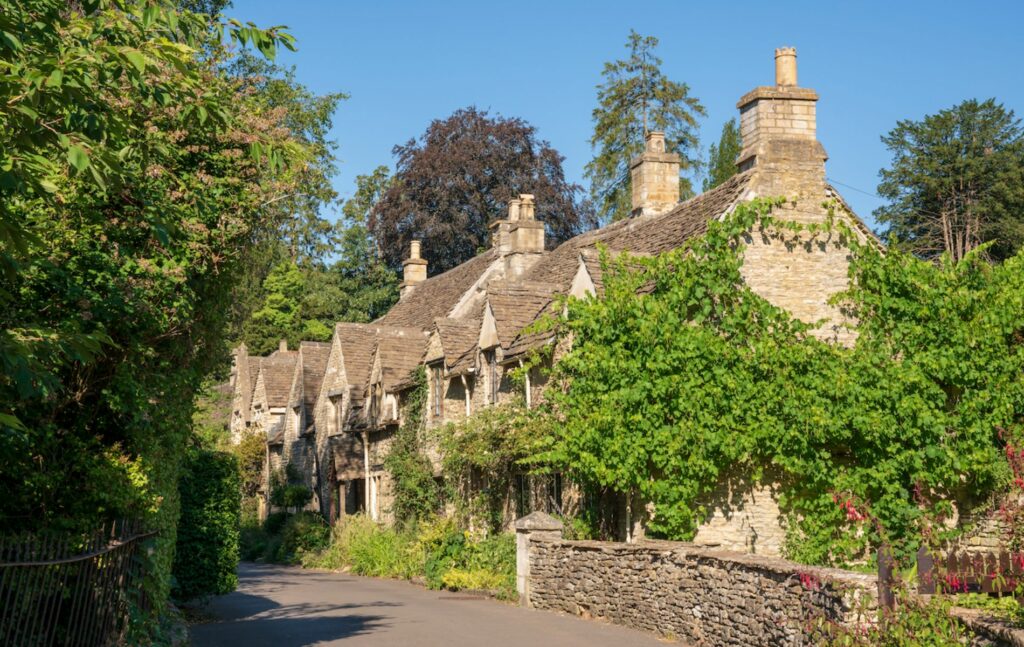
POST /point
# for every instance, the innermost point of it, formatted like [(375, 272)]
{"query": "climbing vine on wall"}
[(416, 494), (481, 457), (680, 377)]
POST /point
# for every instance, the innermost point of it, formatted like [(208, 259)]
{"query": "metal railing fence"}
[(70, 590)]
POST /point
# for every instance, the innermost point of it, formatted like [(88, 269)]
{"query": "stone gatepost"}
[(534, 525)]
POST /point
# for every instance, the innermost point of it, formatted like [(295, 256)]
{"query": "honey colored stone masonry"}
[(692, 594)]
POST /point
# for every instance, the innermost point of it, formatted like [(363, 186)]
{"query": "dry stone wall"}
[(696, 595)]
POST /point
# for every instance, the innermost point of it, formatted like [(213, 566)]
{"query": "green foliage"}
[(681, 377), (723, 155), (634, 98), (302, 301), (251, 452), (481, 457), (416, 494), (207, 546), (956, 181), (132, 172), (1006, 608), (302, 533), (367, 548), (911, 624), (287, 490), (435, 549)]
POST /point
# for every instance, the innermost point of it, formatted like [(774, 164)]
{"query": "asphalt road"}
[(282, 606)]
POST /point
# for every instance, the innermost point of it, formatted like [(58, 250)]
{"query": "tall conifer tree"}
[(634, 98), (722, 156)]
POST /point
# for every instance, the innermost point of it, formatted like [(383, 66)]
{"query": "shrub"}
[(437, 550), (302, 533), (207, 548), (274, 522)]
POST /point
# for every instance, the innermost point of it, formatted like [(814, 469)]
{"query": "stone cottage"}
[(470, 326)]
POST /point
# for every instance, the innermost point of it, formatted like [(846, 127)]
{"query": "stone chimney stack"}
[(654, 177), (282, 346), (414, 270), (519, 238), (779, 132)]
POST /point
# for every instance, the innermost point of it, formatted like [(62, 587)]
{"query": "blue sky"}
[(873, 63)]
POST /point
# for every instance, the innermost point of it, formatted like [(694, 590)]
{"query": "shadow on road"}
[(257, 620)]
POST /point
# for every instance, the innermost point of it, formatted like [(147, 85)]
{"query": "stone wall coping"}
[(991, 627), (762, 562), (538, 521)]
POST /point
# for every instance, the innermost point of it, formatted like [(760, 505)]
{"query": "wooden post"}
[(886, 599), (925, 572)]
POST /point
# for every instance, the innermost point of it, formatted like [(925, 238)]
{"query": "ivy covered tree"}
[(722, 156), (681, 376), (634, 98), (956, 181), (457, 178)]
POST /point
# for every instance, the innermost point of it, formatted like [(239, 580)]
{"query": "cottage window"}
[(491, 359), (437, 390), (339, 422)]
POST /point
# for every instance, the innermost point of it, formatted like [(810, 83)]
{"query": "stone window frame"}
[(491, 366), (436, 389)]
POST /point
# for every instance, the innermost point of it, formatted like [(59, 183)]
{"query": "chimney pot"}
[(785, 66), (514, 209), (526, 206), (655, 141), (414, 269)]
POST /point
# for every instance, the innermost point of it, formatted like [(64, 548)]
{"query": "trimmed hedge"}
[(207, 550)]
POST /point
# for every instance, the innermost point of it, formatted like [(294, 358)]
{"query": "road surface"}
[(282, 606)]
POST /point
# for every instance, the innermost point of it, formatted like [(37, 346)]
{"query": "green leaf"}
[(25, 110), (78, 157), (136, 58)]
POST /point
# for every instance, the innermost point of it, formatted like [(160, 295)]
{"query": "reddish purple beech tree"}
[(453, 181)]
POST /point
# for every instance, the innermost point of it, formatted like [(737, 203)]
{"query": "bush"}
[(445, 556), (274, 522), (207, 548), (302, 533)]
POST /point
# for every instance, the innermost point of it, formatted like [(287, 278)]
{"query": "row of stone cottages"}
[(329, 409)]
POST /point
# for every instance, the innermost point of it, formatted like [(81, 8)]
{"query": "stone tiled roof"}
[(278, 370), (400, 351), (436, 296), (314, 364), (458, 336), (357, 342), (644, 234), (254, 370), (641, 235), (515, 305)]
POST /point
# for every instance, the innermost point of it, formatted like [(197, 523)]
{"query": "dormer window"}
[(437, 390)]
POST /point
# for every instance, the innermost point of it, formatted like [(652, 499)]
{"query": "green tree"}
[(358, 286), (280, 315), (956, 180), (722, 156), (132, 174), (636, 97)]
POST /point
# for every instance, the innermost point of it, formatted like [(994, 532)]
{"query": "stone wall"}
[(743, 517), (693, 594)]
